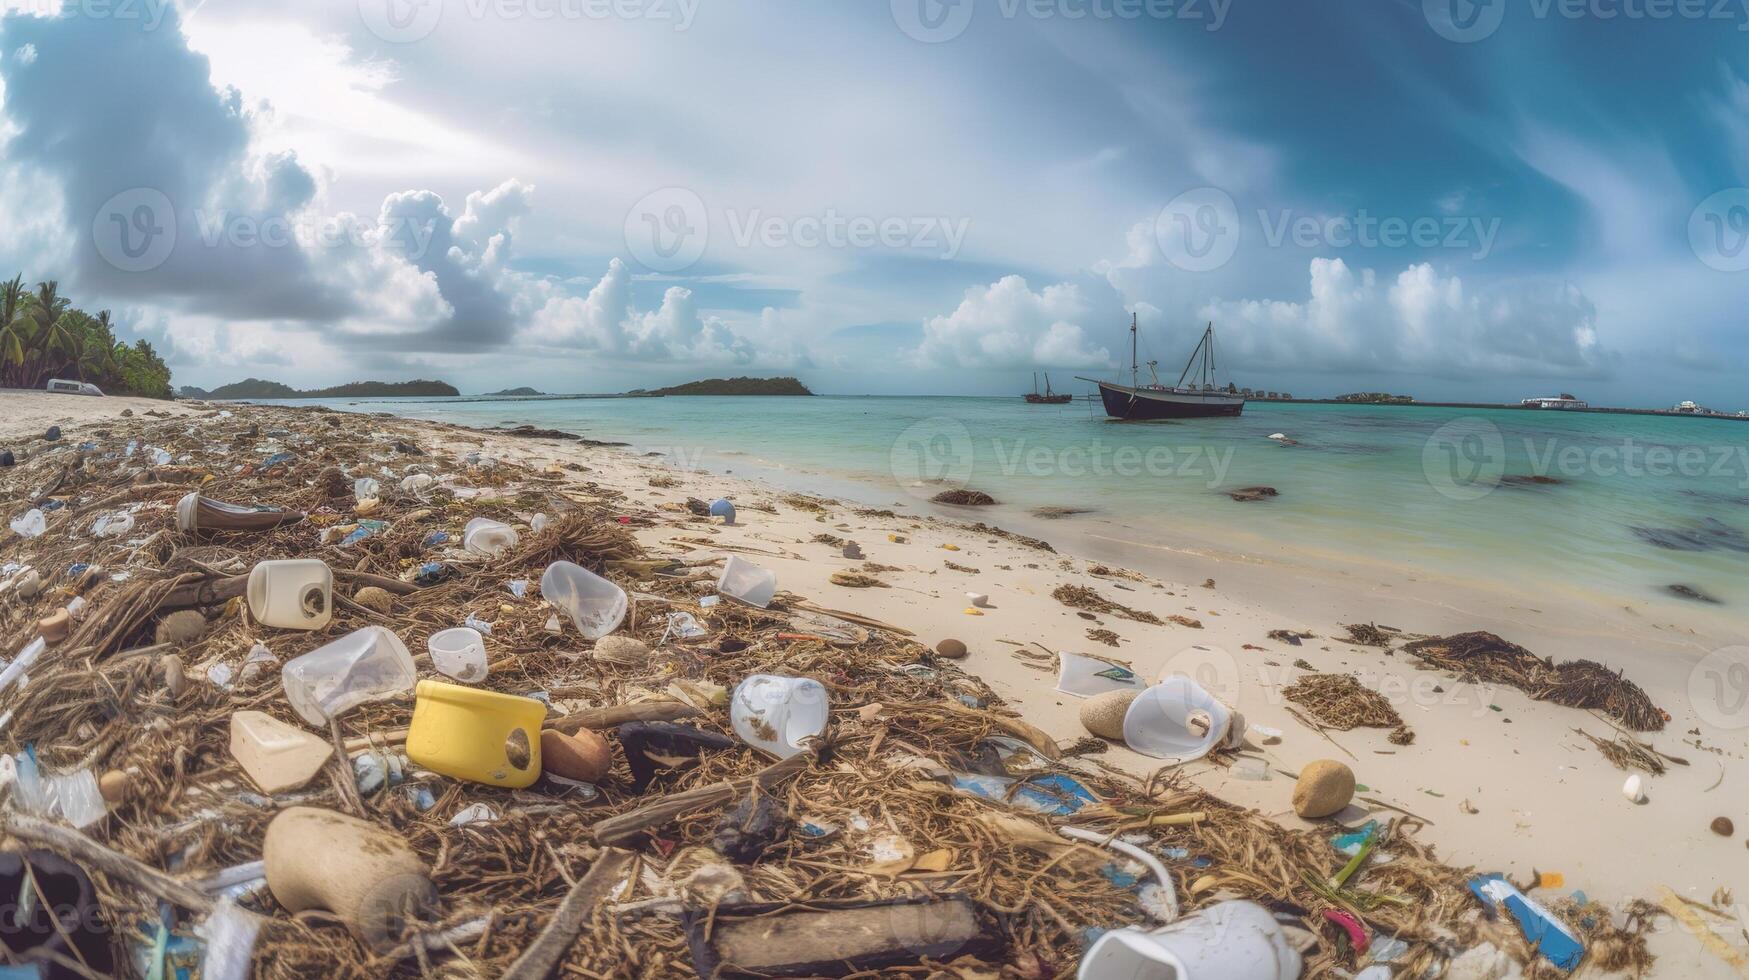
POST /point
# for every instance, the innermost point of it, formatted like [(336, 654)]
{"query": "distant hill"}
[(257, 388), (738, 386), (190, 391), (514, 391)]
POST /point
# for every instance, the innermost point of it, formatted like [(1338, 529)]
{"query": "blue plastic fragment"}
[(1119, 877), (1548, 934), (436, 538), (1056, 795), (723, 509), (1350, 844)]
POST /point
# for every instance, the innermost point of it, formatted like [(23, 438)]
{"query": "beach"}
[(1501, 782)]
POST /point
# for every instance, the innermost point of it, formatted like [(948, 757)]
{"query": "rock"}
[(365, 874), (53, 435), (114, 785), (745, 833), (180, 627), (1690, 592), (1723, 826), (1103, 714), (1246, 495), (951, 649), (964, 498), (170, 670), (127, 413), (627, 650), (1324, 788), (852, 551), (585, 756), (375, 599), (7, 459)]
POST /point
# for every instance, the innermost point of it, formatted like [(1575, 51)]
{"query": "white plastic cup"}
[(746, 582), (777, 714), (1158, 721), (484, 536), (296, 594), (595, 605), (459, 653), (366, 665), (1232, 940)]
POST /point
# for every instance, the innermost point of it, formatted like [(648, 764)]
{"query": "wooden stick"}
[(849, 617), (619, 714), (617, 830), (83, 850), (394, 586), (542, 956), (208, 593)]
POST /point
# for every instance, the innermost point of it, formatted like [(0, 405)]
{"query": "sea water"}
[(1626, 506)]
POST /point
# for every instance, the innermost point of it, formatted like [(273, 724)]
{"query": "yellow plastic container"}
[(478, 735)]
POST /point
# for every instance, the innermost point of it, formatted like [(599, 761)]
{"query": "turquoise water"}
[(1411, 490)]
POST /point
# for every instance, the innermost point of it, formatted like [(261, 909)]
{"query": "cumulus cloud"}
[(1421, 321), (1009, 325), (605, 321)]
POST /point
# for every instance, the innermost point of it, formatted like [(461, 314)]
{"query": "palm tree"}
[(12, 297), (52, 334)]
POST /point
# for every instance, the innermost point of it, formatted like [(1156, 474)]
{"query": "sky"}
[(1448, 199)]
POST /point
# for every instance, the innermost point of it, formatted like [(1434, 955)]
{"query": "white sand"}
[(1546, 799)]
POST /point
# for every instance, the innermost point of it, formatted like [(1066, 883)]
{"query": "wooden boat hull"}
[(1142, 404)]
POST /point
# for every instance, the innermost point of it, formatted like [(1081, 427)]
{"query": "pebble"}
[(1323, 789), (622, 649), (1723, 826), (29, 584), (114, 785), (1103, 714), (180, 627), (375, 599), (170, 666), (951, 649)]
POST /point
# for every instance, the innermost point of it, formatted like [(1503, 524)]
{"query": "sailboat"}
[(1049, 397), (1198, 399)]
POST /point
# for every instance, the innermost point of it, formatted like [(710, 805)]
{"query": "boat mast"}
[(1035, 382), (1047, 382), (1135, 372)]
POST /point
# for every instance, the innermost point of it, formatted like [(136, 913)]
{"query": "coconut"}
[(585, 756), (1324, 788), (1103, 714), (951, 649), (375, 599)]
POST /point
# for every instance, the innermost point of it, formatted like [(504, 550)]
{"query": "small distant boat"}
[(1048, 397), (1137, 401)]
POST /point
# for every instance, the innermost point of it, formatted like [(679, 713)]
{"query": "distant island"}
[(257, 388), (514, 391), (738, 386)]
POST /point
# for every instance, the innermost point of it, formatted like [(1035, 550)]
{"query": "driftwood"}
[(210, 592), (542, 956), (617, 830), (91, 854), (616, 715)]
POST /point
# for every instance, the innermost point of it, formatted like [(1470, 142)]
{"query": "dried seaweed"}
[(1576, 684)]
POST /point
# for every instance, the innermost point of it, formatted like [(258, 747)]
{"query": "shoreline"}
[(1542, 797)]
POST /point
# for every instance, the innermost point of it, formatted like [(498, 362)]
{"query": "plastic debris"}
[(31, 524), (365, 665), (746, 582), (595, 605), (459, 653), (779, 715), (1549, 935)]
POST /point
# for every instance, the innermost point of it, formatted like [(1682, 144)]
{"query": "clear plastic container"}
[(113, 525), (365, 488), (484, 536), (594, 604), (459, 653), (73, 796), (747, 582), (30, 524), (418, 483), (297, 594), (368, 665)]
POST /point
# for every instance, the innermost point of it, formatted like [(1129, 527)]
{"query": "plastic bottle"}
[(595, 605), (297, 594), (367, 665)]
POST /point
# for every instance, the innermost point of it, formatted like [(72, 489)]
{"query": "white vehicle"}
[(64, 387)]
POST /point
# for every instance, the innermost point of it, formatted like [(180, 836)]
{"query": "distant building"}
[(1562, 400), (1688, 407)]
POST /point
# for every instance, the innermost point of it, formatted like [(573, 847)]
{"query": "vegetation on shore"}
[(1376, 398), (738, 386), (516, 392), (257, 388), (43, 336)]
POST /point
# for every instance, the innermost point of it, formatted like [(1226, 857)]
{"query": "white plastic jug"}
[(1230, 941), (594, 604), (747, 582), (459, 653), (367, 665), (1158, 722), (296, 594), (484, 536)]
